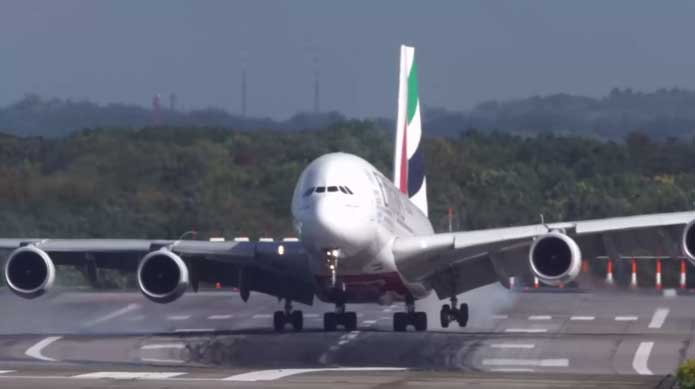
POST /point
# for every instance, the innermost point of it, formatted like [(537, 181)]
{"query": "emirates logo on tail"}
[(409, 164)]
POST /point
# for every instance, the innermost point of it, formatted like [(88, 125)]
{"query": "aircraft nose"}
[(331, 223)]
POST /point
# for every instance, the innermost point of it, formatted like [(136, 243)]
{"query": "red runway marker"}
[(682, 275), (658, 273), (633, 273), (609, 272)]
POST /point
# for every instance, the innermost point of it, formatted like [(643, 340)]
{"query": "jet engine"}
[(555, 258), (688, 241), (162, 276), (29, 272)]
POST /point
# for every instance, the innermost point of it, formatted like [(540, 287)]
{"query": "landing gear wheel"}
[(420, 321), (279, 321), (297, 320), (463, 315), (330, 321), (400, 321), (445, 316), (350, 321)]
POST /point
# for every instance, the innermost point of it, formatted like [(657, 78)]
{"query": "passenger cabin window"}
[(308, 192), (320, 189), (332, 188)]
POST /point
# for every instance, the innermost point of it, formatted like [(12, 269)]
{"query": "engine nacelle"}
[(555, 258), (29, 272), (688, 241), (162, 276)]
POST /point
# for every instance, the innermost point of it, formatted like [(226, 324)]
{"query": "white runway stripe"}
[(639, 362), (626, 318), (512, 370), (194, 330), (526, 362), (262, 316), (112, 315), (527, 330), (500, 317), (311, 315), (582, 318), (540, 317), (129, 375), (270, 375), (513, 345), (659, 318), (220, 317), (163, 346), (178, 317), (6, 371), (35, 350), (161, 360)]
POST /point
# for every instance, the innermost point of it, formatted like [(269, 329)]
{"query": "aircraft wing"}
[(276, 268), (455, 262)]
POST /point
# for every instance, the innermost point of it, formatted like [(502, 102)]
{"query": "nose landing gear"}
[(454, 313), (293, 317), (401, 320)]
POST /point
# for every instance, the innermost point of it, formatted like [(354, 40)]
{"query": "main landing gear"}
[(401, 320), (452, 313), (281, 318), (347, 320)]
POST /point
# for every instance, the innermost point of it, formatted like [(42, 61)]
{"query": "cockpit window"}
[(332, 188), (348, 190), (308, 192), (342, 189), (320, 189)]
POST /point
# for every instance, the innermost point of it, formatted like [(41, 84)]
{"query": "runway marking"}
[(129, 375), (178, 317), (639, 362), (659, 318), (387, 310), (112, 315), (262, 316), (271, 375), (311, 315), (220, 317), (194, 330), (369, 322), (540, 317), (163, 346), (513, 345), (35, 350), (161, 360), (626, 318), (528, 330), (6, 371), (563, 362), (500, 317), (344, 341), (582, 318), (512, 370)]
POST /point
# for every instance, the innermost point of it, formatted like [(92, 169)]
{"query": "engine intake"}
[(29, 272), (162, 276), (688, 241), (555, 258)]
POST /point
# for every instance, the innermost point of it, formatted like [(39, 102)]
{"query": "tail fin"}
[(409, 162)]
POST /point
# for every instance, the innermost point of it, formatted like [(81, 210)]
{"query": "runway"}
[(212, 337)]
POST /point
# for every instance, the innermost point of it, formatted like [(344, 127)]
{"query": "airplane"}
[(362, 238)]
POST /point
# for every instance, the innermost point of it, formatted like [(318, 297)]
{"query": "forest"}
[(159, 182)]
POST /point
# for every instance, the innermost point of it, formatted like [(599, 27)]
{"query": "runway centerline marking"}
[(512, 370), (369, 322), (513, 345), (528, 330), (112, 315), (626, 318), (220, 317), (262, 316), (161, 360), (6, 371), (129, 375), (582, 318), (35, 350), (271, 375), (163, 346), (560, 362), (178, 317), (659, 318), (311, 315), (194, 330), (540, 317), (639, 362)]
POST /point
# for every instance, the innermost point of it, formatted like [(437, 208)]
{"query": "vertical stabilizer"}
[(409, 162)]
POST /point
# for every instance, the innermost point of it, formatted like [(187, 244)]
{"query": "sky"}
[(467, 51)]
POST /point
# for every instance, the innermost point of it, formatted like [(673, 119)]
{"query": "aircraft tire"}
[(400, 321), (463, 315), (279, 321), (350, 321), (445, 316), (297, 320), (330, 321), (420, 321)]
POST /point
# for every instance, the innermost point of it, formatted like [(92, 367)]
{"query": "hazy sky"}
[(467, 51)]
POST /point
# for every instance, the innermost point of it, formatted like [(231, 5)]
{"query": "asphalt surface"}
[(212, 339)]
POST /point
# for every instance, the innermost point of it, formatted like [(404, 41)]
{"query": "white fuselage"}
[(343, 203)]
